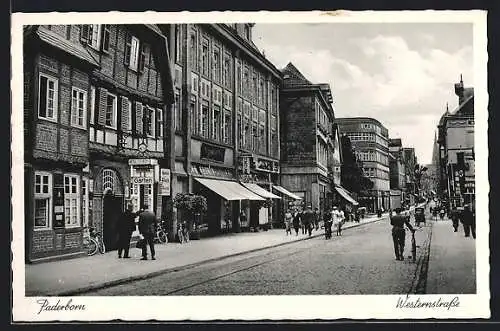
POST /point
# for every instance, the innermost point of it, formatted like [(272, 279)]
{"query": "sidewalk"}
[(67, 277), (452, 261)]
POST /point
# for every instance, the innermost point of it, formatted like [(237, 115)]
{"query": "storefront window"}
[(43, 195)]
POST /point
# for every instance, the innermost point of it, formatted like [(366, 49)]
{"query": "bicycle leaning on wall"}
[(93, 242)]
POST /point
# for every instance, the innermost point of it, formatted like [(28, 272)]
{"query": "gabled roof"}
[(65, 45), (292, 76)]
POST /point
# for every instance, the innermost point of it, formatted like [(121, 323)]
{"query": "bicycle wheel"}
[(102, 248), (162, 237), (91, 246)]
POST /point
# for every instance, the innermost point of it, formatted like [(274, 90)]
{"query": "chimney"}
[(459, 90)]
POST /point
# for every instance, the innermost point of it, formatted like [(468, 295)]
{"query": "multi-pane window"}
[(204, 57), (227, 71), (178, 40), (71, 200), (262, 139), (255, 137), (178, 111), (246, 82), (111, 112), (43, 199), (48, 98), (78, 107), (216, 122), (227, 128), (216, 64), (95, 35), (241, 136), (238, 77), (149, 127), (92, 104), (159, 119), (193, 44), (192, 114), (134, 53), (204, 120)]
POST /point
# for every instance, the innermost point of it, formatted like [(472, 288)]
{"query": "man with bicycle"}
[(398, 222)]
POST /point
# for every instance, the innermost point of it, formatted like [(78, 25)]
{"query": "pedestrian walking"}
[(308, 219), (341, 220), (288, 222), (455, 218), (398, 222), (296, 221), (469, 222), (126, 225), (316, 219), (327, 223), (147, 227)]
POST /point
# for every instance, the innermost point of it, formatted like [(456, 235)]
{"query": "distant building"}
[(310, 145), (410, 161), (370, 140), (456, 150)]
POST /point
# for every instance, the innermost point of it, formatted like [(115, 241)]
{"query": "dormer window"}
[(247, 32), (96, 36)]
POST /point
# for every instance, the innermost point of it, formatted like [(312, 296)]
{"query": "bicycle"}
[(161, 234), (413, 247), (94, 242)]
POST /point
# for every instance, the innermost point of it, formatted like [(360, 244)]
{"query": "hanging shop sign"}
[(165, 182), (141, 180), (143, 162), (266, 165)]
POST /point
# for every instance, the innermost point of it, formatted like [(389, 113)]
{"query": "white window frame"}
[(159, 119), (92, 104), (73, 197), (152, 119), (134, 53), (95, 36), (115, 110), (75, 112), (53, 118), (43, 196)]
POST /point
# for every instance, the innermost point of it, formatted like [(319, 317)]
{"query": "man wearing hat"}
[(398, 222), (469, 221)]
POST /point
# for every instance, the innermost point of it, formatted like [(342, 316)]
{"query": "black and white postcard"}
[(250, 166)]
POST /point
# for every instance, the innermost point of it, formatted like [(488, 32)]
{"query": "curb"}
[(188, 266)]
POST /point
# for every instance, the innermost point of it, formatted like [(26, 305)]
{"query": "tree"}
[(352, 177)]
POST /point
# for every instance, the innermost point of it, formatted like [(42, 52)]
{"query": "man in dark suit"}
[(398, 222), (126, 226), (147, 227), (469, 222)]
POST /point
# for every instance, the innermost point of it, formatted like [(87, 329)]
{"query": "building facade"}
[(397, 173), (456, 150), (410, 161), (225, 121), (310, 145), (370, 140), (87, 89)]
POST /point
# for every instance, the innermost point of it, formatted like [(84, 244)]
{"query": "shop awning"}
[(345, 194), (229, 190), (260, 191), (286, 192)]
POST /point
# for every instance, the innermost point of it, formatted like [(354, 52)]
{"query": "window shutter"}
[(84, 33), (106, 37), (142, 58), (103, 102), (125, 125), (128, 48), (139, 126)]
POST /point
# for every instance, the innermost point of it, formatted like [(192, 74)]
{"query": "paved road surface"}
[(362, 261)]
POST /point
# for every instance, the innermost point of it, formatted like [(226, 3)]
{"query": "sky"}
[(402, 74)]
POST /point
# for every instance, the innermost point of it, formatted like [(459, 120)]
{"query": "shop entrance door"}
[(112, 209)]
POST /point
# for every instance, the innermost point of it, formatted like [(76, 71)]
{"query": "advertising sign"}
[(165, 182)]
